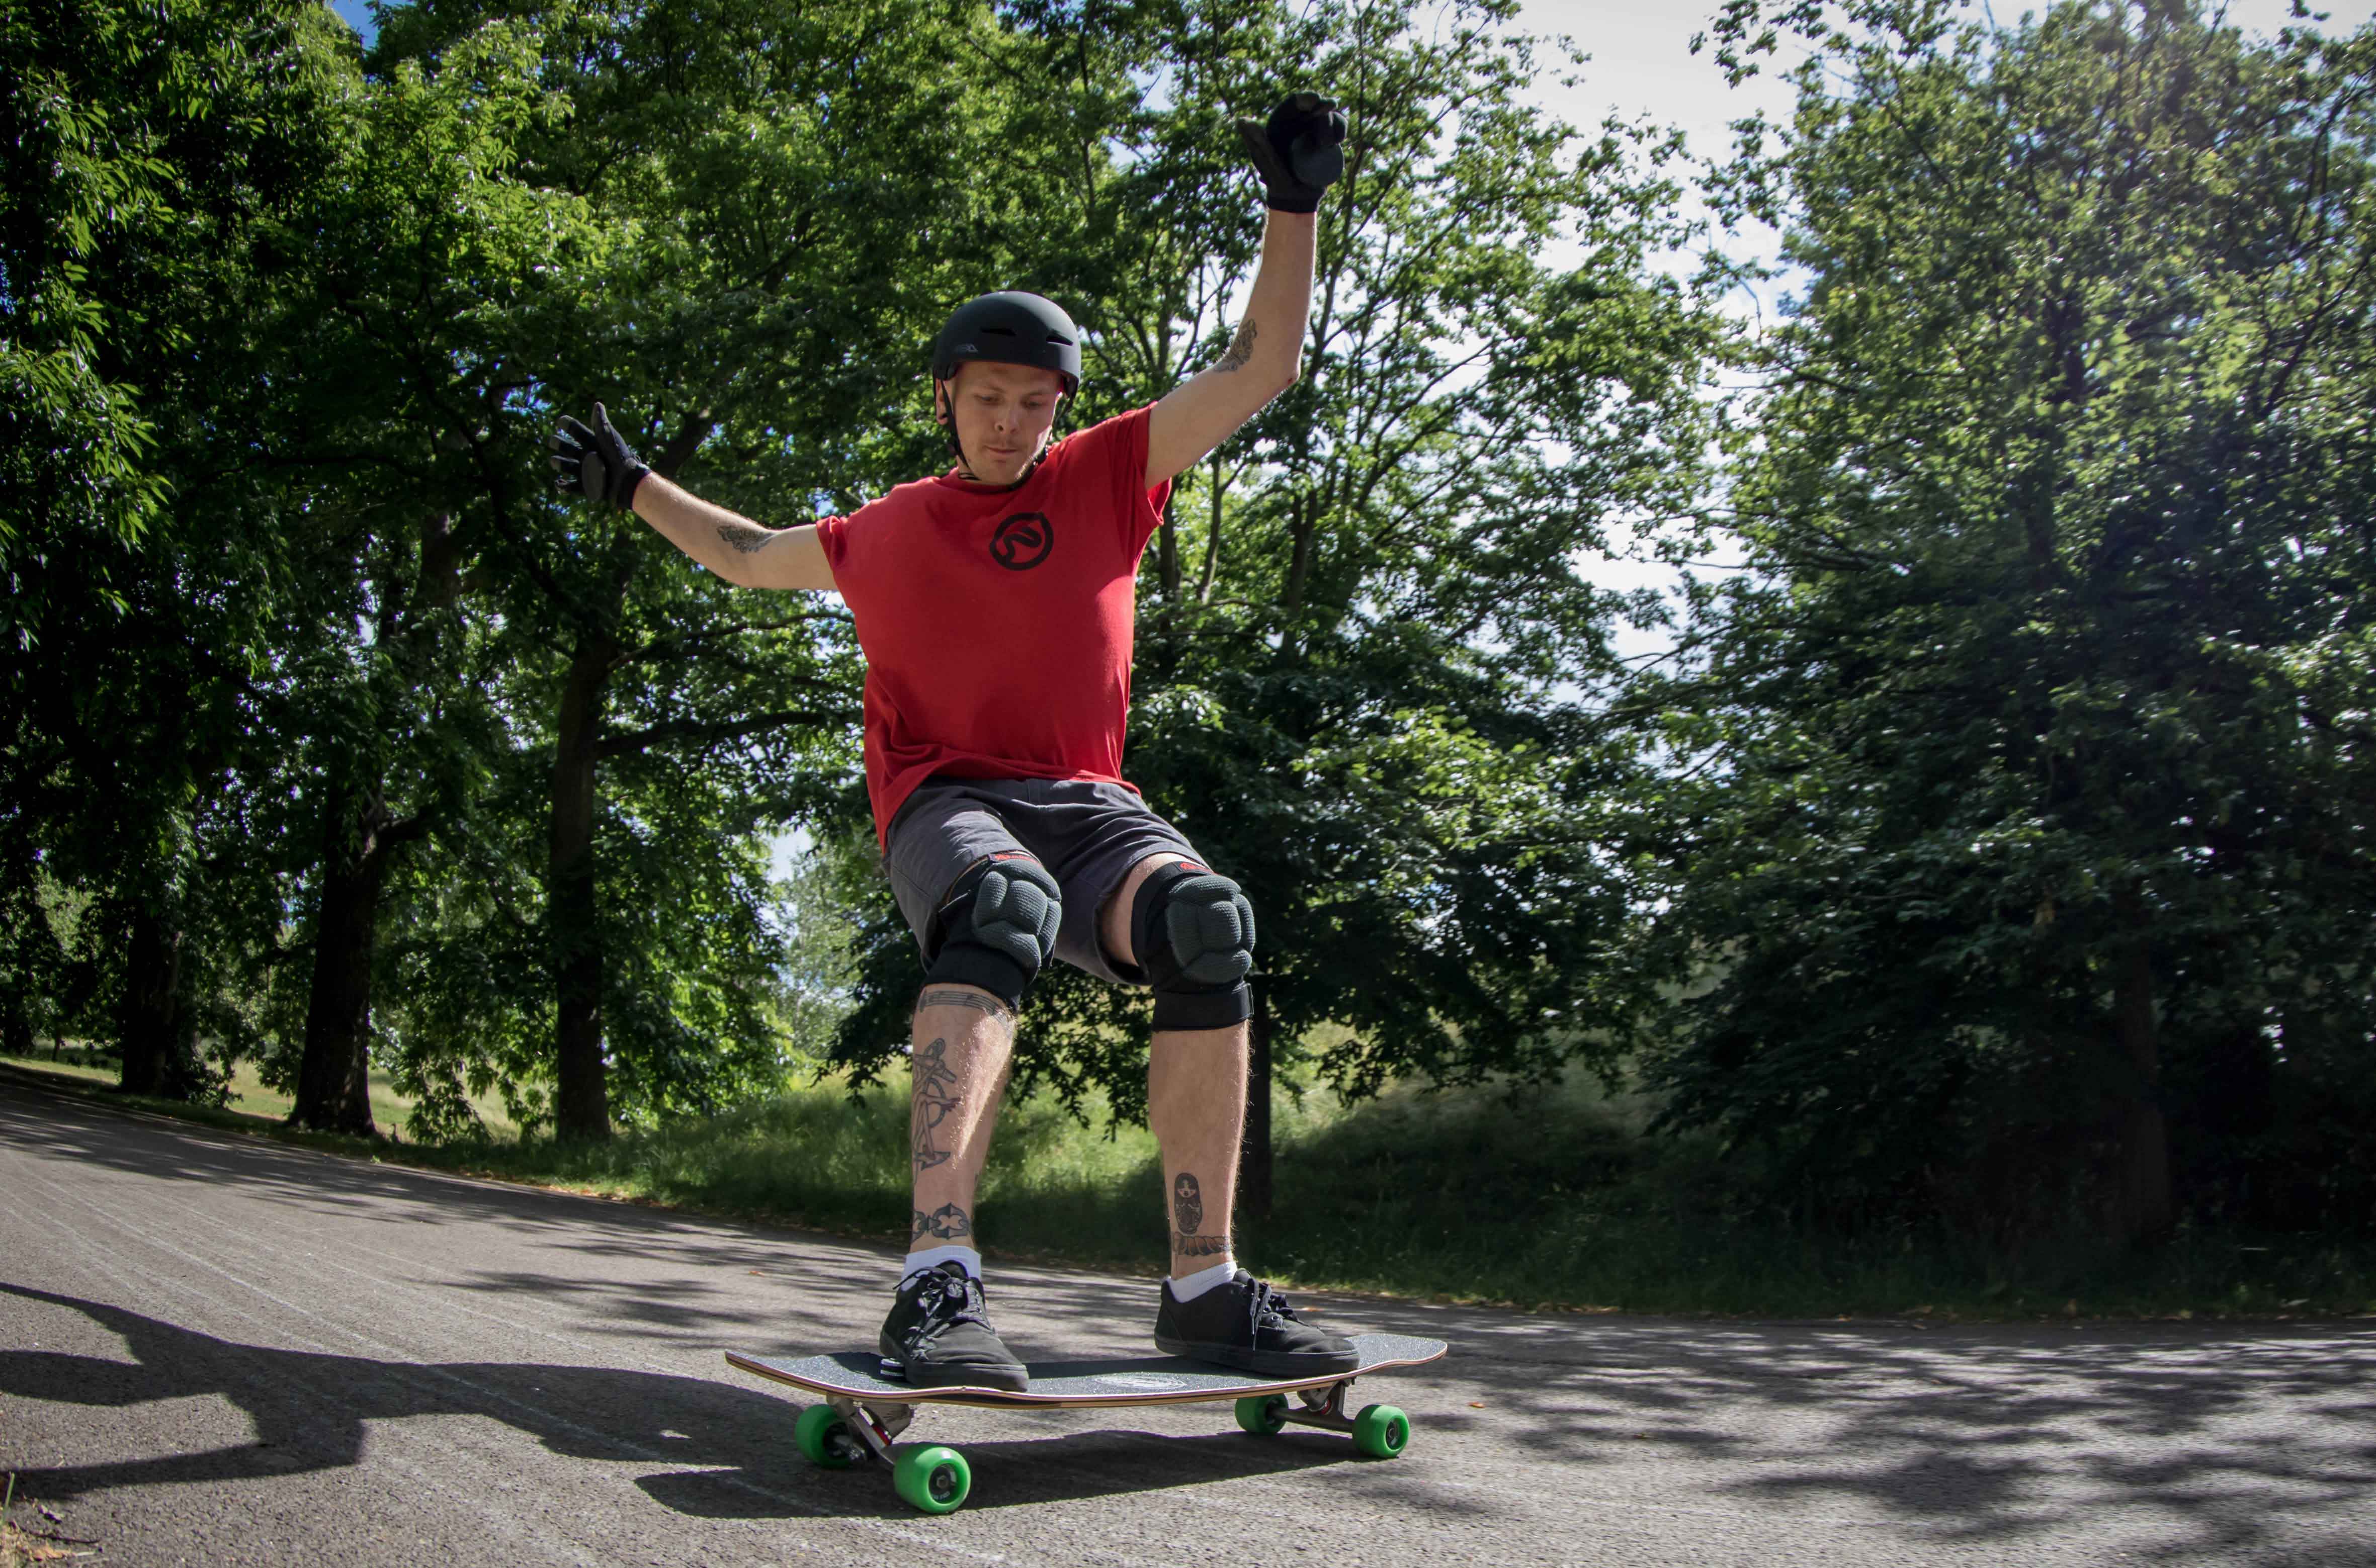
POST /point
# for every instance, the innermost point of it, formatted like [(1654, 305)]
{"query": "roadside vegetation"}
[(1543, 1199), (22, 1548)]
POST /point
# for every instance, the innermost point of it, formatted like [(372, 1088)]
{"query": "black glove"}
[(1297, 153), (596, 463)]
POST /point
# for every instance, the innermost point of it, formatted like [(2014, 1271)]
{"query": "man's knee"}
[(1192, 932), (997, 927)]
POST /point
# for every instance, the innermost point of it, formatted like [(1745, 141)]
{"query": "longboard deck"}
[(1151, 1380)]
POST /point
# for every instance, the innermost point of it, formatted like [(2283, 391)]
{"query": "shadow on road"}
[(727, 1450), (2249, 1443)]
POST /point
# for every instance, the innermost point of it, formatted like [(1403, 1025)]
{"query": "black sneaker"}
[(1246, 1324), (939, 1333)]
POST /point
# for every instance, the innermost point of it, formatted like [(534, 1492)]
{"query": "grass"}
[(1542, 1199), (249, 1096), (21, 1547)]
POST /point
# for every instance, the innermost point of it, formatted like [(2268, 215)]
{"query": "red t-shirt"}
[(997, 624)]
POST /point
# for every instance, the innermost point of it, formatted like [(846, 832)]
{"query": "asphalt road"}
[(215, 1349)]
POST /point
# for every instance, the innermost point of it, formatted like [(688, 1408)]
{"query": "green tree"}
[(423, 262), (2030, 782), (152, 142)]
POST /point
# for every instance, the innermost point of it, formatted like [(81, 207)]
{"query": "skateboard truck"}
[(870, 1427), (1379, 1431), (1324, 1407)]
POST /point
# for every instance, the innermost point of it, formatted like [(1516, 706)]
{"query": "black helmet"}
[(1011, 329)]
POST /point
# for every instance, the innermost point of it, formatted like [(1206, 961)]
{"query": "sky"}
[(357, 16), (1642, 59)]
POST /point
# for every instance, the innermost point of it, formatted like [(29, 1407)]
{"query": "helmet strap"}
[(945, 410)]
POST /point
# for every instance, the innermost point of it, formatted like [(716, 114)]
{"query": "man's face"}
[(1003, 414)]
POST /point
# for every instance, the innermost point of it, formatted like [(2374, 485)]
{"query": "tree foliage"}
[(2027, 815)]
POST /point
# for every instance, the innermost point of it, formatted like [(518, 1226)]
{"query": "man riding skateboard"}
[(995, 606)]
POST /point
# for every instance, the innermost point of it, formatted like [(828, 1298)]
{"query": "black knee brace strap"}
[(1193, 933), (998, 926)]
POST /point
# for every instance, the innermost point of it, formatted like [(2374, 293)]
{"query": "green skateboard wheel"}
[(814, 1433), (932, 1477), (1381, 1431), (1263, 1414)]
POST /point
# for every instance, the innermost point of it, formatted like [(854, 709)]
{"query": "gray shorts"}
[(1087, 835)]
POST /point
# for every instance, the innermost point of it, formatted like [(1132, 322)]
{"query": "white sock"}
[(1204, 1280), (932, 1257)]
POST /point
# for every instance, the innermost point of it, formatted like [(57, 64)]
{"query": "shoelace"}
[(936, 1296), (1265, 1308)]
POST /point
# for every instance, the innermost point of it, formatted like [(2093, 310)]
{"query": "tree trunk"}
[(581, 1107), (1212, 533), (1299, 570), (156, 1034), (2141, 1199), (1167, 551), (334, 1075), (1253, 1147)]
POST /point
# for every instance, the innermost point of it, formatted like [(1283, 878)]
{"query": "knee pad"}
[(998, 926), (1193, 933)]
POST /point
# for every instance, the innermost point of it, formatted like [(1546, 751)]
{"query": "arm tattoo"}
[(930, 1103), (947, 1223), (1241, 350), (988, 1005), (744, 539), (1187, 1201), (1198, 1246)]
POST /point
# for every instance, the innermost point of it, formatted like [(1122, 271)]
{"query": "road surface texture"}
[(215, 1350)]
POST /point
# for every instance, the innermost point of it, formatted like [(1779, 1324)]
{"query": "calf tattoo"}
[(931, 1103), (1187, 1203), (947, 1223), (1188, 1215)]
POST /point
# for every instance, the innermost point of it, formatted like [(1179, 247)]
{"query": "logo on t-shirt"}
[(1023, 541)]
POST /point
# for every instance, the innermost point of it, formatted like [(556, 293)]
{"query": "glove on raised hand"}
[(1298, 153), (597, 463)]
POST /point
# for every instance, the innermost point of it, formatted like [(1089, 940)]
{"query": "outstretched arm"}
[(733, 546), (596, 462), (1298, 157)]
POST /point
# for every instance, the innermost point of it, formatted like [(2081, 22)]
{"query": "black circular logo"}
[(1023, 541)]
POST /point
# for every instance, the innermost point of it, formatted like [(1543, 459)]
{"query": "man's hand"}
[(596, 463), (1299, 153)]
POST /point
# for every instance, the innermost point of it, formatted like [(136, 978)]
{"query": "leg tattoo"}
[(947, 1223), (931, 1103), (1187, 1203), (1188, 1216)]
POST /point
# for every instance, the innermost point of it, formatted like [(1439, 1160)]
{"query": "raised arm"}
[(733, 546), (596, 461), (1298, 157)]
